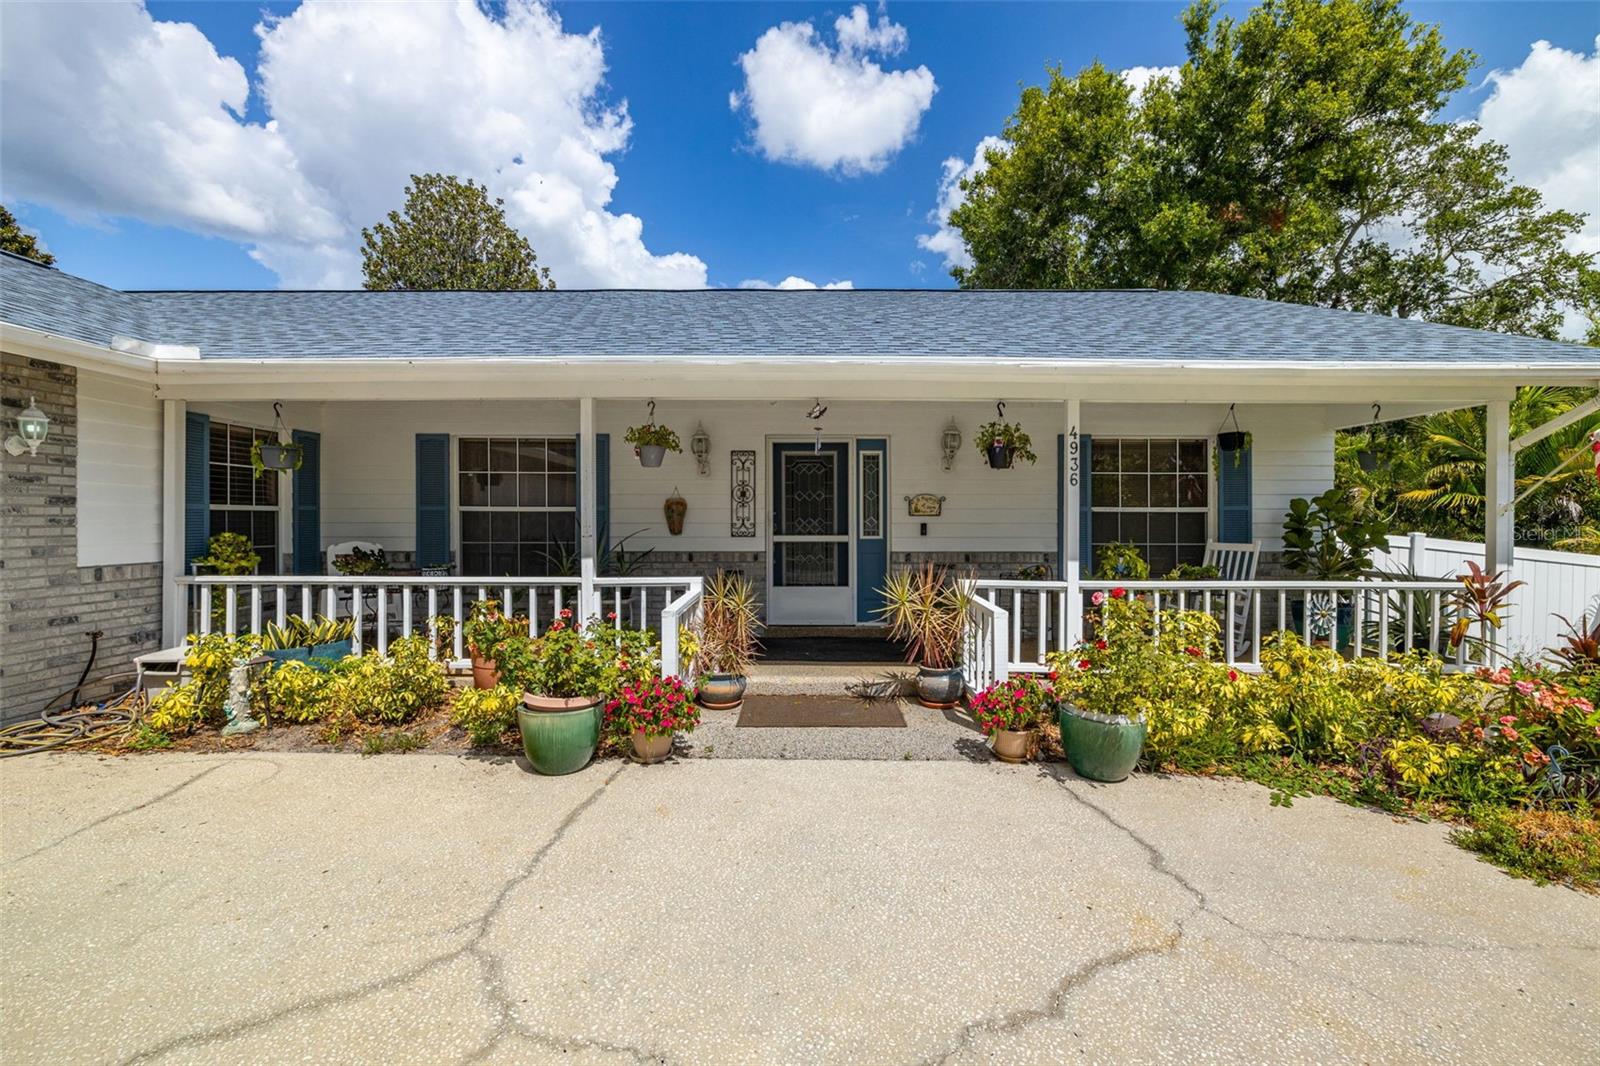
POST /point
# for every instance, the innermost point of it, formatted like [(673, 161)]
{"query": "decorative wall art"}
[(743, 492), (924, 505)]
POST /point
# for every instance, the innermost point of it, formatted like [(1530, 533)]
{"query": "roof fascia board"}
[(38, 344)]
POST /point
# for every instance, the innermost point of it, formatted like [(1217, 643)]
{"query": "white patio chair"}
[(1236, 562)]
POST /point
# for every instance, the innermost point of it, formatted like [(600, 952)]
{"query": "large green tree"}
[(14, 240), (449, 236), (1298, 155)]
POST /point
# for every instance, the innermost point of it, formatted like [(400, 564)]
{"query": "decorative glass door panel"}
[(811, 521)]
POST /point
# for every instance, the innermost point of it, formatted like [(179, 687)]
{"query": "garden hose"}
[(66, 725)]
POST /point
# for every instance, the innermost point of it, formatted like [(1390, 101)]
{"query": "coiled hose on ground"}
[(63, 724)]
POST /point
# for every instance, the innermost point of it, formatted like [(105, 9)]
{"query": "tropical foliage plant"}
[(727, 638), (1331, 538), (927, 610)]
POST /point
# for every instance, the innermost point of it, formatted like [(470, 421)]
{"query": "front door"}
[(813, 575)]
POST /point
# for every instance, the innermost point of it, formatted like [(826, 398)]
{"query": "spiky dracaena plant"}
[(928, 610), (730, 623)]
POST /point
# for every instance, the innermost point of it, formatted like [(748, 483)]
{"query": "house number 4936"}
[(1072, 457)]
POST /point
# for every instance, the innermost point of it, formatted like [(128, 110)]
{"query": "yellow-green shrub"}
[(486, 713), (389, 688), (298, 692), (199, 700)]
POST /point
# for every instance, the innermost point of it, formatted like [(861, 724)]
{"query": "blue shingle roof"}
[(1144, 325)]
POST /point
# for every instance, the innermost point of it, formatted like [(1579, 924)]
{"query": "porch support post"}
[(1072, 480), (173, 413), (588, 533), (1500, 517)]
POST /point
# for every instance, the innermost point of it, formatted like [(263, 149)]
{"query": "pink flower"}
[(1507, 719), (1098, 598), (611, 616), (1510, 734), (1582, 704), (1525, 687)]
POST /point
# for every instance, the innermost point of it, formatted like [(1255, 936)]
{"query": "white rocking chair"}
[(1236, 562)]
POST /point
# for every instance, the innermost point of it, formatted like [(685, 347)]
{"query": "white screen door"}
[(812, 580)]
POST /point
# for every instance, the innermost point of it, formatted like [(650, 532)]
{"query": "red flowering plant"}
[(1018, 704), (1164, 675), (1530, 711), (656, 707)]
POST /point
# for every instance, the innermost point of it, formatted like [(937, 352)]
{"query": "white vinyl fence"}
[(1558, 583)]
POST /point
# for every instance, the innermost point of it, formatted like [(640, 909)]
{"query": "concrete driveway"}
[(418, 909)]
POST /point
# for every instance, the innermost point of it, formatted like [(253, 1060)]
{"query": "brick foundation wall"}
[(47, 601)]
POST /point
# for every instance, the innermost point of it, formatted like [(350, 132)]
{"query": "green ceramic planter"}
[(1101, 747), (559, 736)]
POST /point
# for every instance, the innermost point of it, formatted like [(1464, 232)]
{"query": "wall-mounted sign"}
[(924, 505)]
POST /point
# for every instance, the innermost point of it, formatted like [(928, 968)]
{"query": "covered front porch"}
[(815, 486)]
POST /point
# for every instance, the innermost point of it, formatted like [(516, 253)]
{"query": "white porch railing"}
[(1015, 624), (388, 607)]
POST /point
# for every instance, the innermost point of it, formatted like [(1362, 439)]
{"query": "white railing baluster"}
[(1410, 600), (330, 603), (406, 621), (460, 622), (433, 621), (305, 602), (1255, 626), (255, 608), (1433, 622), (279, 603), (230, 611), (1358, 616), (1383, 625), (508, 605), (358, 609), (383, 620), (205, 610), (1227, 617)]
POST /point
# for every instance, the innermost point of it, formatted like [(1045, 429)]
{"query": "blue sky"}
[(705, 180)]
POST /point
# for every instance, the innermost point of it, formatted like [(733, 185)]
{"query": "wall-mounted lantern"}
[(32, 428), (700, 448), (950, 441)]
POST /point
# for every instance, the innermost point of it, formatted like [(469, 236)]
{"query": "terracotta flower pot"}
[(721, 692), (559, 736), (484, 673), (651, 749), (1012, 745), (939, 689)]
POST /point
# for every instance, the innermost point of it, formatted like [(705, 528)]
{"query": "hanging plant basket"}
[(1233, 442), (651, 442), (1003, 443), (279, 458), (1367, 459)]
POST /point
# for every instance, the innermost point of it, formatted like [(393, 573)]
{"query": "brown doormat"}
[(809, 712)]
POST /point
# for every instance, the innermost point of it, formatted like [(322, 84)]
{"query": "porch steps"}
[(831, 679)]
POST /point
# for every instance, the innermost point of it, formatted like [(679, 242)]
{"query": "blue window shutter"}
[(308, 504), (433, 499), (1234, 522), (1085, 505), (196, 486), (602, 492)]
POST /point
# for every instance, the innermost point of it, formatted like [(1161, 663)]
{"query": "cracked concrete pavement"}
[(419, 909)]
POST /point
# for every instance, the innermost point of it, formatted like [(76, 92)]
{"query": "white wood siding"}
[(119, 471), (368, 463)]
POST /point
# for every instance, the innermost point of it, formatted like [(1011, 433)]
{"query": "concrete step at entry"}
[(832, 679)]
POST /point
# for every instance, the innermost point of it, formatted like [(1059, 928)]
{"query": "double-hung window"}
[(518, 505), (1153, 493), (240, 501)]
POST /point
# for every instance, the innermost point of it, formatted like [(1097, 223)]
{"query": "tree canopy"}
[(14, 240), (450, 235), (1299, 155)]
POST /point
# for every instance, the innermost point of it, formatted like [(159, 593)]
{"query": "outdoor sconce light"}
[(950, 440), (32, 428), (700, 448)]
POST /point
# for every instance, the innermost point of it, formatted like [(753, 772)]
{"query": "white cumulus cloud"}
[(832, 107), (1139, 77), (946, 240), (793, 282), (145, 122), (1547, 113)]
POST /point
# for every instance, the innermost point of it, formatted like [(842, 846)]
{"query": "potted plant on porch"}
[(1009, 712), (730, 619), (1331, 539), (563, 697), (486, 632), (1002, 442), (928, 611), (650, 713)]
